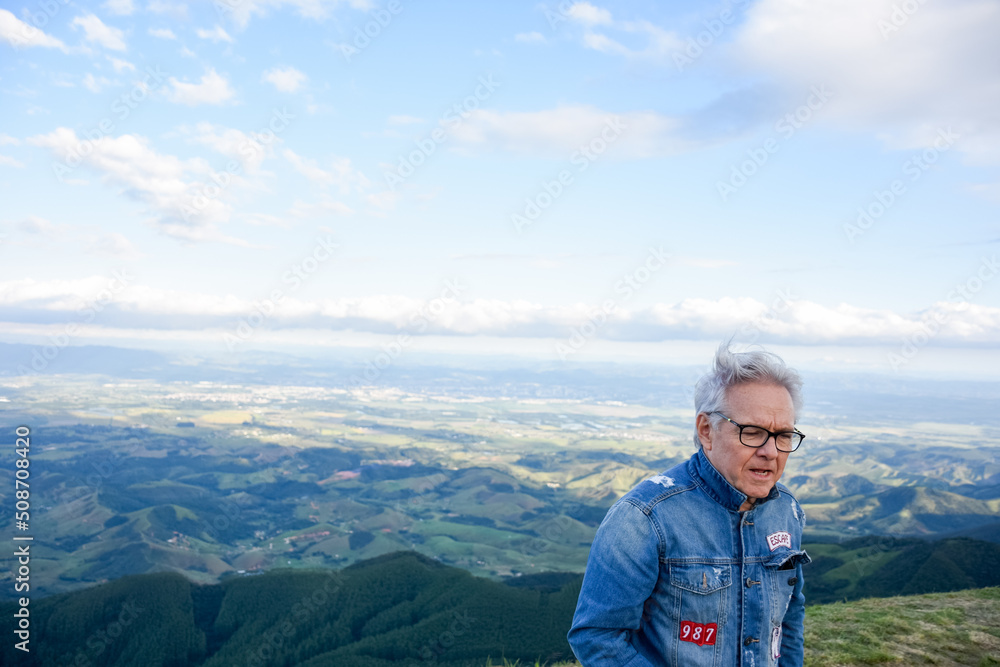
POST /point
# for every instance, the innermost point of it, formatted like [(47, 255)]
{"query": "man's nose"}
[(769, 449)]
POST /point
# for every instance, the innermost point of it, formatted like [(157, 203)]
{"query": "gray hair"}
[(734, 368)]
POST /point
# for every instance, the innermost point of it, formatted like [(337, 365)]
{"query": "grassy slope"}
[(944, 629)]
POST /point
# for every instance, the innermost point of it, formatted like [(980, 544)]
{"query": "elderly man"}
[(702, 564)]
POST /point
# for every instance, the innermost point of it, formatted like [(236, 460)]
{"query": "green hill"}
[(384, 612), (878, 566), (401, 608)]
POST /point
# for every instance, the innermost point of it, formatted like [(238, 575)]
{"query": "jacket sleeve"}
[(793, 626), (622, 571)]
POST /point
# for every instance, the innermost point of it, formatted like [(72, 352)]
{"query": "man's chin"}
[(757, 490)]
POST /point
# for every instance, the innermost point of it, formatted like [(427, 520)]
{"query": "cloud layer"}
[(955, 322)]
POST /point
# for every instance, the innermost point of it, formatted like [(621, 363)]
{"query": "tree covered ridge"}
[(402, 608)]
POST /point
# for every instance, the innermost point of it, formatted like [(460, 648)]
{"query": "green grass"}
[(945, 629), (942, 629)]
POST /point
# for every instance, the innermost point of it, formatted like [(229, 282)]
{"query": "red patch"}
[(702, 634)]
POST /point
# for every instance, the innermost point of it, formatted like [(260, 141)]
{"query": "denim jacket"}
[(678, 576)]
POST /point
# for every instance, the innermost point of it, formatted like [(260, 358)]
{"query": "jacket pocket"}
[(700, 594), (783, 574), (702, 578)]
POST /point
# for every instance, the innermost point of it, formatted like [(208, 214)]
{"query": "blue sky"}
[(569, 180)]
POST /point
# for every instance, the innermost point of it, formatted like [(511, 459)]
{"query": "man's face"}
[(751, 471)]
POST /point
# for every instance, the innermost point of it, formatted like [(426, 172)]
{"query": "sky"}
[(571, 181)]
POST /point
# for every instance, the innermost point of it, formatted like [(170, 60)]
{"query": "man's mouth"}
[(762, 473)]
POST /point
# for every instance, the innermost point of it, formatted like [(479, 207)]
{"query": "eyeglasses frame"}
[(770, 434)]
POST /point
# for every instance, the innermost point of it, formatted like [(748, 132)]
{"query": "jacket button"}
[(793, 581), (750, 582), (749, 640)]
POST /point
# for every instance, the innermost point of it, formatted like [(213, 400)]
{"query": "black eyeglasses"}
[(757, 436)]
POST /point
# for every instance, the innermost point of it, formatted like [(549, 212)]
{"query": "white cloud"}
[(217, 34), (285, 79), (8, 161), (529, 37), (120, 7), (341, 173), (657, 44), (648, 41), (177, 10), (242, 11), (234, 144), (114, 245), (19, 34), (172, 189), (38, 226), (7, 140), (121, 65), (588, 14), (382, 201), (96, 31), (563, 131), (95, 84), (901, 75), (801, 322), (162, 33), (212, 89)]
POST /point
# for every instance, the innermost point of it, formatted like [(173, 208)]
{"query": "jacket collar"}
[(717, 487)]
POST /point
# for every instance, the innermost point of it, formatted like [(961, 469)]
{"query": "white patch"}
[(662, 480), (780, 539), (776, 643), (795, 510), (718, 571)]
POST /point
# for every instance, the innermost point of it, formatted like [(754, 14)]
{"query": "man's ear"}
[(704, 426)]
